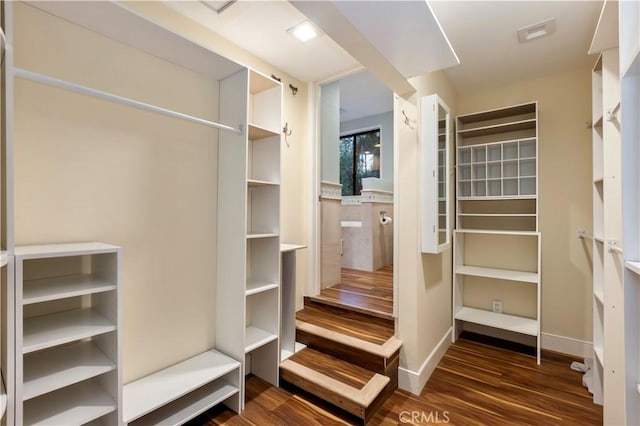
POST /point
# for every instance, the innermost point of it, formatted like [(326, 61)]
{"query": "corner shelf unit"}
[(248, 289), (497, 242), (68, 350)]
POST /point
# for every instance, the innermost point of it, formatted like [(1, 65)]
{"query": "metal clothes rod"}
[(40, 78)]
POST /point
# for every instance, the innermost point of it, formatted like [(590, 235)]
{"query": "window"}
[(359, 158)]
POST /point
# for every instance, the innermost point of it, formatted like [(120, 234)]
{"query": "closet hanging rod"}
[(44, 79)]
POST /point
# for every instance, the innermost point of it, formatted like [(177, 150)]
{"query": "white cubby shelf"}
[(68, 341), (497, 209)]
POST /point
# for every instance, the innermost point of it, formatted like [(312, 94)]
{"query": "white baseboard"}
[(566, 345), (413, 381)]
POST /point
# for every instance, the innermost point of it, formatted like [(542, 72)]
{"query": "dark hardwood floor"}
[(365, 291), (474, 384)]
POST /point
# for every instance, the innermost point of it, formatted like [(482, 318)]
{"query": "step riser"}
[(364, 359)]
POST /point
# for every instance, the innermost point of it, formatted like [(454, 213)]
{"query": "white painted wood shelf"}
[(44, 290), (502, 274), (496, 232), (599, 354), (255, 287), (256, 337), (502, 321), (599, 295), (158, 390), (62, 250), (633, 266), (74, 405), (258, 132), (262, 235), (56, 329), (189, 406), (498, 128), (258, 183), (46, 371)]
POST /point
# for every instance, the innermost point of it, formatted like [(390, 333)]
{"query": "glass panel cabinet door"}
[(435, 176)]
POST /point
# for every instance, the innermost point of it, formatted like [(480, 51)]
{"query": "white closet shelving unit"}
[(247, 323), (68, 345), (629, 44), (248, 288), (608, 377), (497, 216)]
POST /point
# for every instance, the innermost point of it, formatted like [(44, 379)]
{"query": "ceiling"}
[(482, 33), (260, 27)]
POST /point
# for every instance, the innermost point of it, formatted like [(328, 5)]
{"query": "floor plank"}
[(473, 385), (364, 290)]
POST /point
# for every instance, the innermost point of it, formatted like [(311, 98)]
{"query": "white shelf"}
[(44, 290), (256, 337), (598, 180), (505, 197), (258, 183), (4, 258), (599, 295), (46, 371), (254, 287), (257, 132), (189, 406), (253, 236), (598, 239), (502, 274), (290, 247), (156, 390), (498, 128), (73, 405), (503, 321), (59, 250), (56, 329), (498, 214), (633, 266), (599, 354), (496, 232)]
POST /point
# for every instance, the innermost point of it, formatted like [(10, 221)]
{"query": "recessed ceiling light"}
[(538, 30), (304, 31)]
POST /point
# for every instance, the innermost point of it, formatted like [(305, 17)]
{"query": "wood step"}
[(352, 388), (359, 339), (343, 302)]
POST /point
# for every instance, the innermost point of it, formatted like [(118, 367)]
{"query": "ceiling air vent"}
[(538, 30)]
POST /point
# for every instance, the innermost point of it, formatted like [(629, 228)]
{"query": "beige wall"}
[(425, 279), (86, 169), (564, 102)]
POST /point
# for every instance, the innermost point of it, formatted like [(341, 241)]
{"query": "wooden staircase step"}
[(359, 339), (354, 389), (343, 301), (356, 324)]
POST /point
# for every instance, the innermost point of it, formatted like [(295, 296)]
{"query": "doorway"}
[(356, 135)]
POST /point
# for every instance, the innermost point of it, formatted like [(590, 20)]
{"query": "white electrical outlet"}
[(497, 306)]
